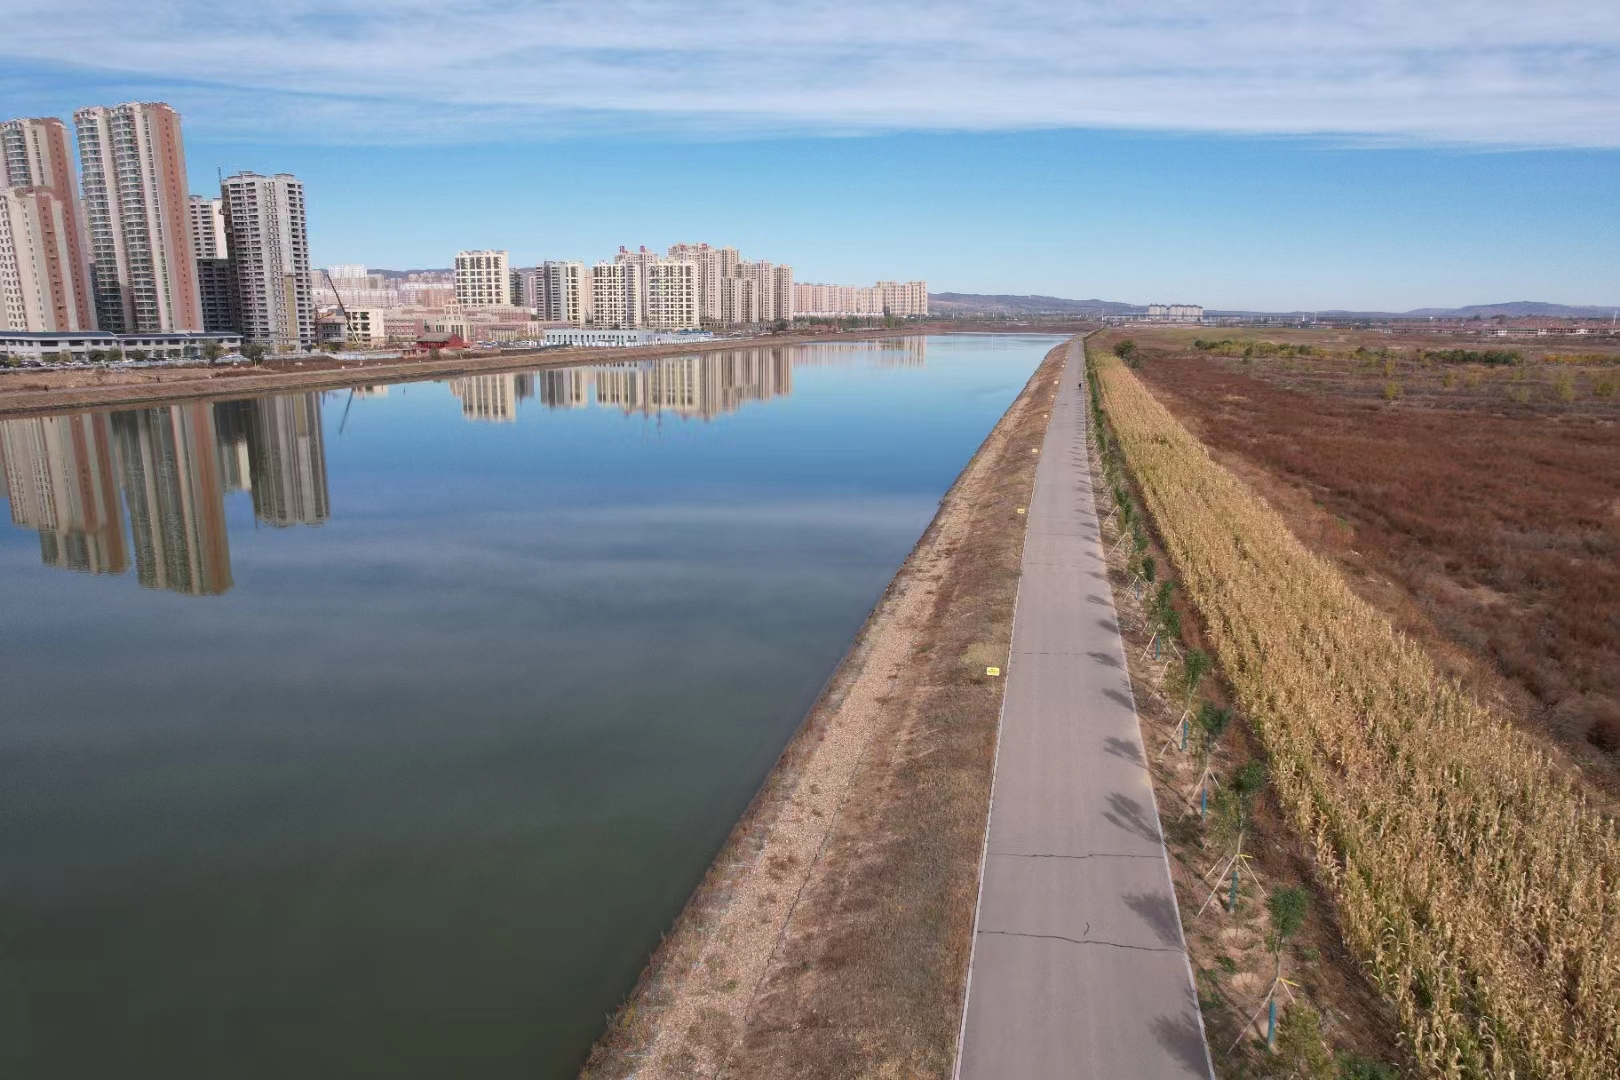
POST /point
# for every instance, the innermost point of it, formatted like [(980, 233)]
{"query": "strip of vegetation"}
[(1228, 347), (1260, 984), (1251, 349), (1490, 357), (1470, 874)]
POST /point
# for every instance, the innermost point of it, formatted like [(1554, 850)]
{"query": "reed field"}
[(1472, 875)]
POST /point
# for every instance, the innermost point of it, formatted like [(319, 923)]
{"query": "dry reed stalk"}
[(1472, 875)]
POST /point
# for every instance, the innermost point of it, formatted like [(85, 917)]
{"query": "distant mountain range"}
[(953, 303)]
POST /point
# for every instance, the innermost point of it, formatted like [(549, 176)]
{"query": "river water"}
[(382, 733)]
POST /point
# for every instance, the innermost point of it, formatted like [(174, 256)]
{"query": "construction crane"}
[(330, 284)]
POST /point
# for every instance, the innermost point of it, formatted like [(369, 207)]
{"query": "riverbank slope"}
[(831, 935)]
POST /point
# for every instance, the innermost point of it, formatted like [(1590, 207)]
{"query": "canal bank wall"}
[(831, 935)]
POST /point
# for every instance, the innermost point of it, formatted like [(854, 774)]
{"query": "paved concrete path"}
[(1079, 968)]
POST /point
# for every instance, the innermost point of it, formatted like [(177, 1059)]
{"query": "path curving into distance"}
[(1079, 968)]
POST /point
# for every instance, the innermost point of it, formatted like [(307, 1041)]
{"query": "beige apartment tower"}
[(714, 266), (132, 165), (39, 289), (483, 279), (616, 292), (211, 249), (267, 233), (561, 292), (671, 291), (35, 154)]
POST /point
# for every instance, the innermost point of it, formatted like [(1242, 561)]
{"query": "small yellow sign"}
[(1036, 450), (1020, 509), (992, 671)]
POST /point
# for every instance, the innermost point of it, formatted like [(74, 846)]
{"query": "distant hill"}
[(953, 303), (1518, 309)]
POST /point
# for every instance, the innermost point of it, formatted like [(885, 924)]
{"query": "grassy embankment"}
[(1469, 872)]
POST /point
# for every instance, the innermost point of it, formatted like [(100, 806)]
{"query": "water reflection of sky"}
[(414, 791)]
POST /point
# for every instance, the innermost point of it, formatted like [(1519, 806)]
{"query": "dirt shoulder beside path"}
[(43, 390), (831, 935)]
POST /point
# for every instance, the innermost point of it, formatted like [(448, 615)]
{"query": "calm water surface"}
[(381, 734)]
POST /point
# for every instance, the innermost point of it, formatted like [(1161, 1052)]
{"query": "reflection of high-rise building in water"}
[(61, 483), (883, 352), (175, 464), (286, 454), (231, 422), (565, 388), (491, 398), (702, 386), (170, 462)]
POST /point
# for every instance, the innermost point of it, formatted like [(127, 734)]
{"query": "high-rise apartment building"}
[(267, 234), (483, 279), (739, 301), (132, 165), (562, 292), (671, 290), (642, 259), (206, 219), (714, 265), (904, 299), (763, 277), (616, 295), (782, 292), (38, 286), (34, 154)]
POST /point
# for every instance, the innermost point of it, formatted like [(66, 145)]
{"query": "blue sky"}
[(1270, 154)]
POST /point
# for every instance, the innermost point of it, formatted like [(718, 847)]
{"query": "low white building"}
[(621, 339), (166, 346)]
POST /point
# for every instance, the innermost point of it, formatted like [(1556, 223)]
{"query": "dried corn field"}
[(1473, 877)]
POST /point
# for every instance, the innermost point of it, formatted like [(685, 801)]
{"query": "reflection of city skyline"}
[(173, 466), (74, 479), (701, 386)]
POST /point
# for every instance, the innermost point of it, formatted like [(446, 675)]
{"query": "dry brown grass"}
[(1498, 521), (1228, 949), (1471, 874), (865, 938)]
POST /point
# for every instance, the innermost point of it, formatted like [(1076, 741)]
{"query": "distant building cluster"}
[(902, 299), (1175, 313), (684, 289), (109, 246), (105, 250)]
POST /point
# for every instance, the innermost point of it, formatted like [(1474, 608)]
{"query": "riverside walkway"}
[(1079, 967)]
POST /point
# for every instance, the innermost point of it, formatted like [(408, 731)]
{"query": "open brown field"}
[(1477, 504)]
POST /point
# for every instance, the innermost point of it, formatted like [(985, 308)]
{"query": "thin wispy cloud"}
[(1459, 71)]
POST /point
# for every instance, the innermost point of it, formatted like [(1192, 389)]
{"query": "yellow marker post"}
[(992, 671)]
